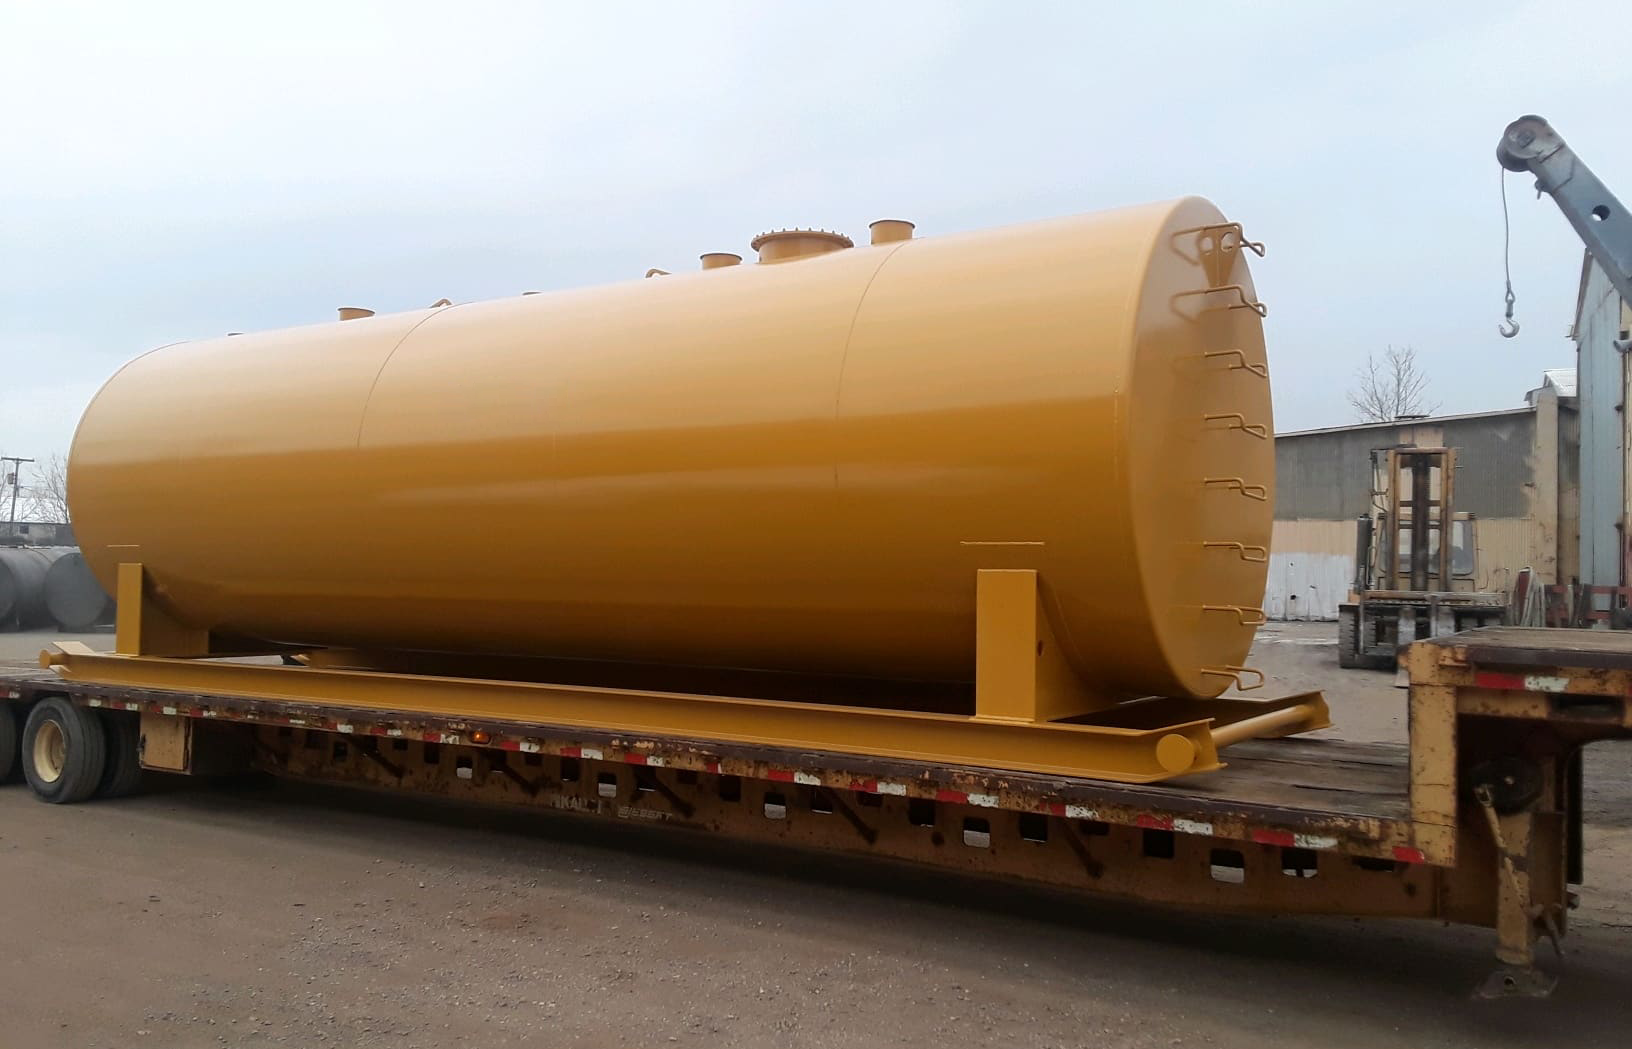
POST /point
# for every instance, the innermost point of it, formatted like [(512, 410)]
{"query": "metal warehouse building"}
[(1516, 482)]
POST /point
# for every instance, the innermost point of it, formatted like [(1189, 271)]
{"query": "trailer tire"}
[(64, 751), (10, 749), (122, 771)]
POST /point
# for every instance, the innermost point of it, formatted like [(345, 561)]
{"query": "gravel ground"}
[(255, 914)]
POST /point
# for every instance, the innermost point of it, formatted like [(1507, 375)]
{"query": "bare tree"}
[(46, 498), (1390, 386)]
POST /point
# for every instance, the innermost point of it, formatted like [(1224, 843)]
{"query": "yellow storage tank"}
[(798, 464)]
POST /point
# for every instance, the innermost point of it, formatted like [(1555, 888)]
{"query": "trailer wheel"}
[(64, 751), (122, 770), (8, 742)]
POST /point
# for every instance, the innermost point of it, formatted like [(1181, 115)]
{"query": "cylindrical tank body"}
[(22, 585), (73, 597), (794, 466)]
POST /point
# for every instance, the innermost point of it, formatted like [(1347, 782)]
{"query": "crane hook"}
[(1510, 327)]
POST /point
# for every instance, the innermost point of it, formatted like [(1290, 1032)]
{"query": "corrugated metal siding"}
[(1569, 493), (1493, 466), (1311, 568), (1328, 475), (1505, 547), (1311, 563), (1599, 381)]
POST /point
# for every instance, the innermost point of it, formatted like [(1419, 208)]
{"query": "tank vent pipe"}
[(715, 260), (354, 313), (889, 231)]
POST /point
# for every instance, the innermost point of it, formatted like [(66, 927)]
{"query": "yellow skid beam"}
[(1123, 754)]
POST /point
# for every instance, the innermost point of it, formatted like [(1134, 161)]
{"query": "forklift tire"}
[(122, 771), (1348, 638), (9, 749), (64, 751)]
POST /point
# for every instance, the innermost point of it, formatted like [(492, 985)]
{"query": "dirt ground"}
[(254, 914)]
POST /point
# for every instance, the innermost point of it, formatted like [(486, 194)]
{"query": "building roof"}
[(1396, 423), (1560, 379)]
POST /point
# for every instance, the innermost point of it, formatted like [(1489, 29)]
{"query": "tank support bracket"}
[(1021, 673), (142, 628)]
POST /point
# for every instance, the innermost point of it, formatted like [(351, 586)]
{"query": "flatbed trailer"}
[(1477, 821)]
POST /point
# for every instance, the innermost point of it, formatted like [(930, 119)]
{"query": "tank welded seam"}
[(362, 417), (849, 336)]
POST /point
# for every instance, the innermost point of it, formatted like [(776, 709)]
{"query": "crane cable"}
[(1511, 327)]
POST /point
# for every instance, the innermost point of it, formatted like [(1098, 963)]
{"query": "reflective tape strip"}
[(985, 801), (1193, 827), (1522, 682), (807, 779)]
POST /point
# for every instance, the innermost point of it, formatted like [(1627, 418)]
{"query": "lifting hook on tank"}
[(1238, 421), (1249, 551), (1251, 491), (1245, 302), (1244, 615), (1241, 362), (1235, 673), (1230, 237)]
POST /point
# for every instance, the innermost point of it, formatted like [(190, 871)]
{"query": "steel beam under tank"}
[(1108, 752)]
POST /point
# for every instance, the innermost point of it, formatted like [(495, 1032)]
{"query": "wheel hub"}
[(50, 751)]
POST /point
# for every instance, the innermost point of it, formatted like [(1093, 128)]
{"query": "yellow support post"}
[(142, 628), (1020, 671)]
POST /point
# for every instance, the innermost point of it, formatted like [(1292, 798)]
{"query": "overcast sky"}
[(172, 171)]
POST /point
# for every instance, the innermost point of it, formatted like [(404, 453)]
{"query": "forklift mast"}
[(1415, 536)]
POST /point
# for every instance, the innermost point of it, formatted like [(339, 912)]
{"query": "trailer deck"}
[(1478, 821)]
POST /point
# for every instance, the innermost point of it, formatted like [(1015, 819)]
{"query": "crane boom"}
[(1530, 144)]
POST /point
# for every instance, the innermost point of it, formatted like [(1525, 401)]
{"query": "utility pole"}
[(14, 477)]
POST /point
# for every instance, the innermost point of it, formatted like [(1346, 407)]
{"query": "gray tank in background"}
[(73, 597), (22, 584)]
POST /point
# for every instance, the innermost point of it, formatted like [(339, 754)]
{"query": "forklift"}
[(1410, 553)]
